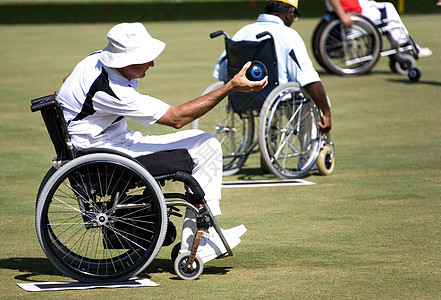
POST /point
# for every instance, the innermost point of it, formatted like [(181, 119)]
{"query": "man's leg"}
[(206, 152), (208, 172), (397, 33)]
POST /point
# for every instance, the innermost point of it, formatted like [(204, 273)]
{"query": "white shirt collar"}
[(269, 18), (116, 76)]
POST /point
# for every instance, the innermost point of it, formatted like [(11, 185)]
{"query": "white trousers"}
[(371, 9), (204, 149)]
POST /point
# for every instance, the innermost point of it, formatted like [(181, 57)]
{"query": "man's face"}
[(136, 71)]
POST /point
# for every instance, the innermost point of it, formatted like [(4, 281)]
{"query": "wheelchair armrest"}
[(197, 193)]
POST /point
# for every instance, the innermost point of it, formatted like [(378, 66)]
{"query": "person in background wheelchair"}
[(377, 12), (99, 95), (294, 63)]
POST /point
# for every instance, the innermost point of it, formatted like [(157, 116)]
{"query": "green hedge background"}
[(30, 12)]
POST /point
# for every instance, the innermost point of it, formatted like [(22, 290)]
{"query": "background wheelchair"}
[(288, 136), (101, 215), (355, 50)]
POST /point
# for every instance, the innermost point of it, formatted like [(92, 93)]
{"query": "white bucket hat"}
[(130, 44)]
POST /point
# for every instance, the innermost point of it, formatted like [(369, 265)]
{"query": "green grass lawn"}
[(372, 230)]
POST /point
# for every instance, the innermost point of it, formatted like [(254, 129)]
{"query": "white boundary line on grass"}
[(75, 285), (264, 183)]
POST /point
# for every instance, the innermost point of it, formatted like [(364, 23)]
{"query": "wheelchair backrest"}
[(240, 52), (56, 126)]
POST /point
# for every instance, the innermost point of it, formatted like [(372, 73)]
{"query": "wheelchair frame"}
[(355, 51), (102, 216), (280, 145)]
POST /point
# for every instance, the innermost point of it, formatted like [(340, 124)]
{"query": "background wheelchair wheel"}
[(289, 139), (191, 273), (101, 217), (326, 160), (403, 65), (316, 40), (347, 51), (235, 132)]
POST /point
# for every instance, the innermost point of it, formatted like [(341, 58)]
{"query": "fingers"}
[(323, 129), (245, 68), (260, 84), (254, 86), (243, 84)]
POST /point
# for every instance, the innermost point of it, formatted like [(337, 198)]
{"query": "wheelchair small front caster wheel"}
[(326, 160), (403, 64), (414, 74), (191, 272)]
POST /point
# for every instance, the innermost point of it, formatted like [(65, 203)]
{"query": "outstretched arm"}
[(318, 93), (179, 116)]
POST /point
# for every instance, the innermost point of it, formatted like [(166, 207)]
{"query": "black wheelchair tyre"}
[(316, 41), (46, 177), (101, 217)]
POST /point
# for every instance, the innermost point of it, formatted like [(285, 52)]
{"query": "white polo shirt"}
[(96, 100), (293, 60)]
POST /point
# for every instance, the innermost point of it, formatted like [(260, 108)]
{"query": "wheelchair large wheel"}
[(289, 138), (101, 217), (235, 132), (347, 51)]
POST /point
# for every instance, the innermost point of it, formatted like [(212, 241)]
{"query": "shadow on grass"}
[(404, 79), (369, 73), (426, 82), (166, 266), (31, 267)]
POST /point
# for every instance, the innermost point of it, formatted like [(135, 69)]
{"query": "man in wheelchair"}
[(294, 64), (381, 14), (99, 95)]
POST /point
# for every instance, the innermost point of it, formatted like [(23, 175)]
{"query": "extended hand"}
[(325, 126), (241, 83)]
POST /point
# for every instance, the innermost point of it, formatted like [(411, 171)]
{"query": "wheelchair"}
[(101, 215), (354, 51), (288, 136)]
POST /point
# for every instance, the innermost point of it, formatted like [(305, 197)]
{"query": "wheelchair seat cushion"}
[(167, 162), (158, 163)]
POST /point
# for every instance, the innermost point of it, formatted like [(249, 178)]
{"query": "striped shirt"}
[(97, 100)]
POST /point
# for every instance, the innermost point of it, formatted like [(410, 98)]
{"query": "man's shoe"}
[(212, 247), (237, 231), (424, 52)]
